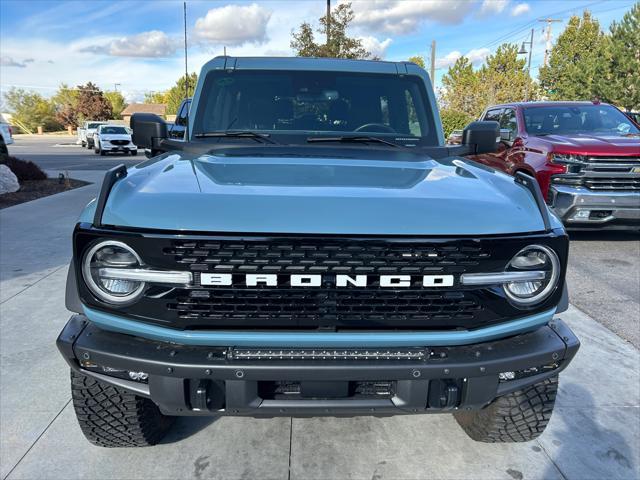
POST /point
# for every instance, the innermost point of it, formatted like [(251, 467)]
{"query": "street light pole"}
[(524, 51)]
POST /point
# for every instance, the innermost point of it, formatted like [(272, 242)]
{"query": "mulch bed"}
[(32, 189)]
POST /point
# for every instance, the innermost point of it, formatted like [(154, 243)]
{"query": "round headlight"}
[(111, 254), (533, 258)]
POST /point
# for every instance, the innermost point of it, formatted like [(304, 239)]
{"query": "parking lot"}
[(594, 433)]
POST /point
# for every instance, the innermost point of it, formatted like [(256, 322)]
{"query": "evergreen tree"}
[(462, 91), (577, 66), (340, 44), (504, 77), (623, 52)]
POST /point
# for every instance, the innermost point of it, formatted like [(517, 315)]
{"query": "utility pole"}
[(547, 36), (328, 21), (432, 70), (186, 70), (115, 86)]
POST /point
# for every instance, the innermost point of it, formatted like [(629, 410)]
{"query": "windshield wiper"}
[(353, 138), (236, 134)]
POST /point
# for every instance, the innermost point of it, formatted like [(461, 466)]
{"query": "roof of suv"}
[(544, 104), (307, 63)]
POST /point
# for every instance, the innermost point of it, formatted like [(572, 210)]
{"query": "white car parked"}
[(113, 138), (5, 136), (85, 134)]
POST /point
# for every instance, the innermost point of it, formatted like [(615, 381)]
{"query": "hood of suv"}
[(406, 194), (586, 144)]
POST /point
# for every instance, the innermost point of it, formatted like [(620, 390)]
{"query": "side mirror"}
[(481, 137), (148, 130), (506, 135)]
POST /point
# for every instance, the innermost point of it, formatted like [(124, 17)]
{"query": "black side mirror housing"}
[(481, 137), (148, 130)]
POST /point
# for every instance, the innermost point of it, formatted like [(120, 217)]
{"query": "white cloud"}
[(152, 44), (404, 16), (448, 60), (493, 7), (374, 46), (10, 62), (234, 25), (146, 44), (475, 56), (520, 9)]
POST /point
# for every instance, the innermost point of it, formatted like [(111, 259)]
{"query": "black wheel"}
[(89, 146), (113, 417), (517, 417), (4, 151), (96, 149), (102, 152), (84, 144), (134, 152)]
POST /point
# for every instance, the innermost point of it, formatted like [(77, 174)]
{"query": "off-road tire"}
[(517, 417), (113, 417)]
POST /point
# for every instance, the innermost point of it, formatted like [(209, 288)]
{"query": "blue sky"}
[(137, 47)]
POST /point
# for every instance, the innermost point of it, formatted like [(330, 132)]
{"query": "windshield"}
[(94, 125), (310, 102), (114, 130), (576, 119)]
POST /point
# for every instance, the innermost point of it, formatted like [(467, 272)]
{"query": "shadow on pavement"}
[(185, 427), (604, 235), (583, 449)]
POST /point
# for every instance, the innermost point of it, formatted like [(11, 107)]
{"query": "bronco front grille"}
[(284, 305), (325, 307), (325, 256)]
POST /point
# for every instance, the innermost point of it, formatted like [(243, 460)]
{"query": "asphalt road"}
[(60, 152), (604, 267)]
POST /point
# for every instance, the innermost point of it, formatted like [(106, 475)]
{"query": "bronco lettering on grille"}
[(271, 280)]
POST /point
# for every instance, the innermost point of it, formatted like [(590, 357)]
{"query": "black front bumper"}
[(186, 380)]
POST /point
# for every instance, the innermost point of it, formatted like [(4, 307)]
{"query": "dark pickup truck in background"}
[(585, 156)]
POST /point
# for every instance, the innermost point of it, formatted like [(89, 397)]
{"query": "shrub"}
[(453, 120), (23, 169)]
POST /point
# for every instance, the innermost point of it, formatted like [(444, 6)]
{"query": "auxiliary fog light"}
[(581, 215), (142, 377), (527, 372)]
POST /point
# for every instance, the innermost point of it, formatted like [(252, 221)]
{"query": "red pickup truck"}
[(585, 156)]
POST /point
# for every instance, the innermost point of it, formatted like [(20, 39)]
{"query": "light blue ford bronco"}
[(313, 248)]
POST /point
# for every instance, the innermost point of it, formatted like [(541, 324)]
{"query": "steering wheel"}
[(375, 127)]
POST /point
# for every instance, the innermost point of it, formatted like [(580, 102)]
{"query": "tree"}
[(31, 109), (118, 104), (505, 78), (92, 104), (577, 62), (623, 52), (453, 120), (418, 60), (65, 103), (156, 97), (462, 91), (340, 45), (174, 96)]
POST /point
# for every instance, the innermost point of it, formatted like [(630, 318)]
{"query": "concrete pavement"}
[(594, 432)]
